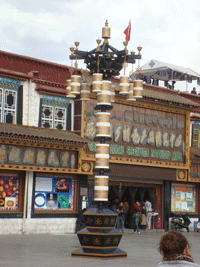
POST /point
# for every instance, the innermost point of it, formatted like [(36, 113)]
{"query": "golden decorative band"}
[(101, 194), (137, 83), (101, 182), (124, 79), (102, 148), (102, 163), (103, 117), (124, 89), (75, 79), (96, 88), (105, 32), (106, 86), (97, 77), (137, 93)]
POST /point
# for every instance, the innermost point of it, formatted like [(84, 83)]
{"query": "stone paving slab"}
[(55, 250)]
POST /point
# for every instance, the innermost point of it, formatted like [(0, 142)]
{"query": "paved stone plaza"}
[(55, 250)]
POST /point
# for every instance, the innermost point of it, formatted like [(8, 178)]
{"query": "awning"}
[(40, 135), (167, 72)]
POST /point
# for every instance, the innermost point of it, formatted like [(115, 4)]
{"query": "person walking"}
[(174, 248), (136, 221)]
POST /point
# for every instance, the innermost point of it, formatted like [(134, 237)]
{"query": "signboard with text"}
[(141, 132)]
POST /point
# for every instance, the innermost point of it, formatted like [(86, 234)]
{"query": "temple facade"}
[(48, 152)]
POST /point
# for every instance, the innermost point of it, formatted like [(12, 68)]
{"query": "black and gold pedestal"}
[(99, 239)]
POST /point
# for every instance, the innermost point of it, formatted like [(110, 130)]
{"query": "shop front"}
[(149, 151), (41, 173)]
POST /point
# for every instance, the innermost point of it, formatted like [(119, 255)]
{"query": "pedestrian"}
[(115, 205), (143, 216), (127, 207), (120, 218), (149, 213), (194, 91), (174, 248), (136, 206), (80, 222), (136, 221)]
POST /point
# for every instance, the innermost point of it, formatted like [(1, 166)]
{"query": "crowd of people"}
[(138, 218)]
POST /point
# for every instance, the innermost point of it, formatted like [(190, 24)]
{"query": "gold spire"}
[(106, 32)]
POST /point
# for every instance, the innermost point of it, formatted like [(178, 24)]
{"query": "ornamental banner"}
[(141, 132)]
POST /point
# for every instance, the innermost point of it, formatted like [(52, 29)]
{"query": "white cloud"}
[(167, 30)]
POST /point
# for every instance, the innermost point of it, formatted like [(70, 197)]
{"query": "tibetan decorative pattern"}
[(40, 158), (28, 156), (135, 136), (36, 158), (101, 220), (181, 175), (154, 135), (3, 154), (117, 132), (14, 156), (91, 129), (86, 167), (53, 159)]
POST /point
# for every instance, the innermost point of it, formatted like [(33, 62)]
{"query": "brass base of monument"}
[(104, 255), (99, 239)]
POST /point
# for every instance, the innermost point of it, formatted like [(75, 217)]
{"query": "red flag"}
[(128, 32)]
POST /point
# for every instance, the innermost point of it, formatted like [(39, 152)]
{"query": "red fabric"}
[(128, 32)]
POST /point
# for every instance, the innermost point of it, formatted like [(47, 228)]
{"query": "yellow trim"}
[(90, 227), (104, 234), (101, 214), (98, 247), (79, 254)]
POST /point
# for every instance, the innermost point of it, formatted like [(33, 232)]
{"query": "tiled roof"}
[(195, 151), (40, 135), (159, 93), (165, 94)]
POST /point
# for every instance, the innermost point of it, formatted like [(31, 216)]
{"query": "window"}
[(11, 192), (55, 113), (55, 193), (11, 100), (196, 135), (8, 105), (183, 198)]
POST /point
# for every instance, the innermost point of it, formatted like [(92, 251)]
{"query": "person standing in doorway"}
[(143, 216), (149, 213), (121, 217), (127, 207)]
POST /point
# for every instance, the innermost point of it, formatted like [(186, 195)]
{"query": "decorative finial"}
[(98, 42), (72, 50), (125, 46), (139, 48), (76, 44)]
